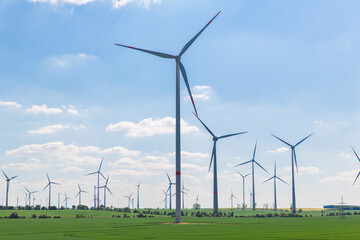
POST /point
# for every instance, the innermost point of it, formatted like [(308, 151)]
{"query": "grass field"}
[(101, 225)]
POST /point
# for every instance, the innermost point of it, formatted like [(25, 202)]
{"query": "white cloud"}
[(43, 109), (185, 154), (150, 127), (279, 150), (50, 129), (201, 93), (74, 2), (69, 61), (73, 111), (10, 104), (345, 177), (143, 3), (120, 150), (305, 170), (72, 169), (31, 164), (59, 153)]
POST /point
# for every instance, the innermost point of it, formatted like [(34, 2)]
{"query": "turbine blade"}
[(268, 179), (297, 171), (14, 177), (79, 187), (140, 183), (243, 163), (230, 135), (187, 45), (261, 167), (77, 194), (247, 175), (281, 140), (4, 174), (48, 177), (27, 190), (159, 54), (239, 173), (84, 191), (254, 150), (183, 73), (303, 140), (355, 154), (90, 173), (168, 177), (130, 195), (101, 163), (356, 178), (205, 126), (102, 175), (212, 155), (109, 191), (281, 180), (44, 187)]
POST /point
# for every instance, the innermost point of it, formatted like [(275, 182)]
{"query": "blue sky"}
[(68, 96)]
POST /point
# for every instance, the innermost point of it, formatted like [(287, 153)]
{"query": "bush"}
[(56, 216), (33, 216), (44, 216), (79, 215), (14, 215)]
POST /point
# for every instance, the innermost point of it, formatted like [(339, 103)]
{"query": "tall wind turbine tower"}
[(243, 180), (169, 189), (179, 68), (293, 162), (98, 181), (8, 185), (253, 162), (275, 177), (138, 196), (213, 156), (105, 187), (49, 185)]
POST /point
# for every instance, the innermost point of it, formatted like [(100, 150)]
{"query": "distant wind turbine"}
[(129, 199), (253, 162), (49, 185), (232, 197), (293, 162), (179, 68), (169, 189), (65, 200), (243, 180), (79, 193), (98, 182), (8, 185), (183, 189), (106, 188), (275, 177), (213, 156), (138, 196), (29, 195)]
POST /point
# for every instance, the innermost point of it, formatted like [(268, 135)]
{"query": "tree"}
[(196, 206)]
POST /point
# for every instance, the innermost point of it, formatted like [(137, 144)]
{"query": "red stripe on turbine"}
[(215, 192), (131, 47), (192, 100), (177, 172)]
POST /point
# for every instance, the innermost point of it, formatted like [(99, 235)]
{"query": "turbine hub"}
[(215, 138)]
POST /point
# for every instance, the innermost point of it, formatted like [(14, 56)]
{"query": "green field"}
[(101, 225)]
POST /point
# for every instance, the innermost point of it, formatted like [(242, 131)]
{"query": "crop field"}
[(103, 225)]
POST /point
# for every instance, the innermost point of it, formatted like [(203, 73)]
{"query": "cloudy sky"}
[(69, 97)]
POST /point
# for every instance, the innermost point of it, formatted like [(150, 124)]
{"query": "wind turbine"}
[(79, 193), (253, 162), (29, 195), (183, 189), (8, 185), (165, 200), (213, 156), (293, 161), (138, 188), (179, 68), (129, 199), (65, 200), (197, 199), (169, 189), (275, 177), (98, 183), (105, 187), (232, 197), (49, 185), (243, 179)]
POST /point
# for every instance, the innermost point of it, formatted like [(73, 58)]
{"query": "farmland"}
[(103, 225)]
